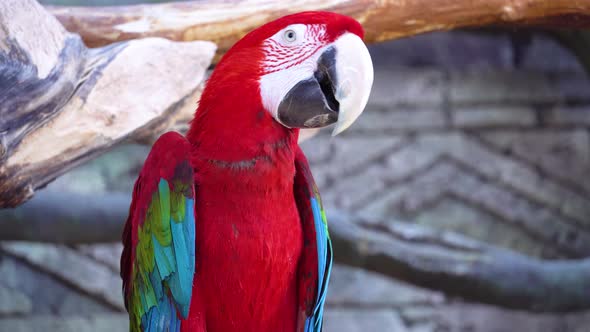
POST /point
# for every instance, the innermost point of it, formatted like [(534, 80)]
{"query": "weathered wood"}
[(225, 22), (443, 261), (62, 104), (67, 218), (39, 64), (459, 266)]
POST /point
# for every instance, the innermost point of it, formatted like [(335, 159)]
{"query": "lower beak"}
[(338, 91)]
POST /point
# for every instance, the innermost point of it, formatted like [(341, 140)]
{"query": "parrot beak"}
[(338, 91), (354, 73)]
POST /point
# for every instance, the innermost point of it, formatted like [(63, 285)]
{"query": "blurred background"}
[(485, 133)]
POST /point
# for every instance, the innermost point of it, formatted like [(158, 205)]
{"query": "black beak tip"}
[(311, 103)]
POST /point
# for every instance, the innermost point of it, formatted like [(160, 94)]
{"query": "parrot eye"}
[(290, 36)]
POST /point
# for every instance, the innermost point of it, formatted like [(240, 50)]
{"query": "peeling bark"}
[(226, 22), (62, 104), (459, 266)]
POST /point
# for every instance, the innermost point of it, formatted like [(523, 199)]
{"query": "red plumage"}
[(249, 234)]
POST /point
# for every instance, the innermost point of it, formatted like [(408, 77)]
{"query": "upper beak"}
[(354, 73), (337, 92)]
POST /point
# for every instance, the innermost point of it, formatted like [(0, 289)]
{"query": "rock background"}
[(455, 137)]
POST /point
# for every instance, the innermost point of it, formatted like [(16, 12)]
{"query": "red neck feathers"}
[(230, 123)]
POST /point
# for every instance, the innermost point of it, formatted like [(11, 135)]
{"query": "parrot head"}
[(309, 70), (315, 70)]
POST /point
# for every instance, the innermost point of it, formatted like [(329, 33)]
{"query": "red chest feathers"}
[(249, 241)]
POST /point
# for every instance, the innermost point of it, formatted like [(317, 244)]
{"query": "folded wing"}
[(316, 263), (158, 260)]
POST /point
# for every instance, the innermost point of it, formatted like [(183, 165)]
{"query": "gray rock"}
[(350, 320), (47, 295), (500, 86), (568, 116), (73, 268), (564, 153), (91, 323), (574, 86), (402, 86), (108, 254), (398, 119), (14, 302), (113, 171), (352, 287), (493, 117), (472, 317)]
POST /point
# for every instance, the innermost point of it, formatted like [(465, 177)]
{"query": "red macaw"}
[(226, 230)]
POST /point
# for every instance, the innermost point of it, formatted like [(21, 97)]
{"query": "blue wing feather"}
[(166, 294), (324, 246), (158, 260), (314, 224), (164, 261), (181, 283)]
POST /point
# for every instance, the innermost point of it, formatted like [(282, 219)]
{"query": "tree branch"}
[(72, 103), (226, 22), (442, 261), (461, 267), (66, 217)]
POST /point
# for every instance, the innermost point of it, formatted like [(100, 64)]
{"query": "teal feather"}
[(181, 282), (165, 260), (189, 229), (324, 251), (165, 287), (162, 317), (156, 282), (153, 319), (157, 264)]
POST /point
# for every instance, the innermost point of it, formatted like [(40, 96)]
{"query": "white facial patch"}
[(291, 55)]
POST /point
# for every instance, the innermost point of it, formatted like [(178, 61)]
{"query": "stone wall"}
[(455, 137)]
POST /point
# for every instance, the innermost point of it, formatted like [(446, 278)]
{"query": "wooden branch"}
[(62, 104), (226, 22), (461, 267), (66, 217), (442, 261)]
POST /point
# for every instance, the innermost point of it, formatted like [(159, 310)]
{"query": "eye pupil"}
[(290, 36)]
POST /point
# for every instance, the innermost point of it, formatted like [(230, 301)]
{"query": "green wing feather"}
[(158, 261)]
